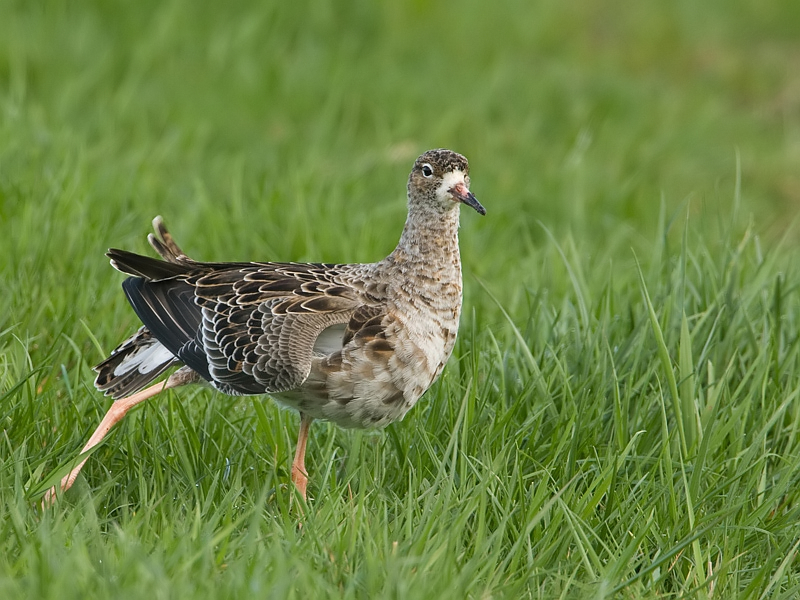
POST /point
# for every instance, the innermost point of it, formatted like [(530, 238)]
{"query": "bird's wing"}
[(260, 323), (248, 327)]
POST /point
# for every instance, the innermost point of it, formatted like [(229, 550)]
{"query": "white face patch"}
[(449, 181)]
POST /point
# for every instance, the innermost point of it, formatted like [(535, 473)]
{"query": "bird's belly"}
[(356, 389)]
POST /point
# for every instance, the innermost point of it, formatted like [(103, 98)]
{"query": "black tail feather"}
[(152, 269), (168, 309)]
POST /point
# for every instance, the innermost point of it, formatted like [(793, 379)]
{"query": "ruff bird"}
[(355, 344)]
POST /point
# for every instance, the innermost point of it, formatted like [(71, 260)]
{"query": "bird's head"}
[(440, 180)]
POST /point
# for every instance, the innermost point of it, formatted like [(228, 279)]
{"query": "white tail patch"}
[(145, 359)]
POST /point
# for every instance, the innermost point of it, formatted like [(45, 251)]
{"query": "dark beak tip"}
[(472, 202), (463, 195)]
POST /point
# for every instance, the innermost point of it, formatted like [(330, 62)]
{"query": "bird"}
[(354, 344)]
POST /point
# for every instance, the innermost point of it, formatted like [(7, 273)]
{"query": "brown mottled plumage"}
[(356, 344)]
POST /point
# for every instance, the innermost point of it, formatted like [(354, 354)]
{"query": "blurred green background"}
[(596, 132), (274, 132)]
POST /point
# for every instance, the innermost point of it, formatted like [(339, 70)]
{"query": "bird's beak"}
[(463, 195)]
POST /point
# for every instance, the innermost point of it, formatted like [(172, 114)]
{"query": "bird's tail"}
[(174, 260), (141, 358), (132, 365), (163, 243)]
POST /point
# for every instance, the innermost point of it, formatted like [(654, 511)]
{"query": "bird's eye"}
[(427, 170)]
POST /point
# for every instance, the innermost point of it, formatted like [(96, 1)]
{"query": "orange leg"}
[(299, 474), (114, 415)]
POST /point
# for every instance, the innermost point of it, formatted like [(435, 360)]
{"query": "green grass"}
[(621, 416)]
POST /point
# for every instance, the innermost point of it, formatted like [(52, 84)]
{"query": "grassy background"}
[(620, 418)]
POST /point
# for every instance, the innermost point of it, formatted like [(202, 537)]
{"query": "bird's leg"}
[(114, 415), (299, 475)]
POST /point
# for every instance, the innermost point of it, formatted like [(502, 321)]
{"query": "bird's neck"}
[(429, 238)]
